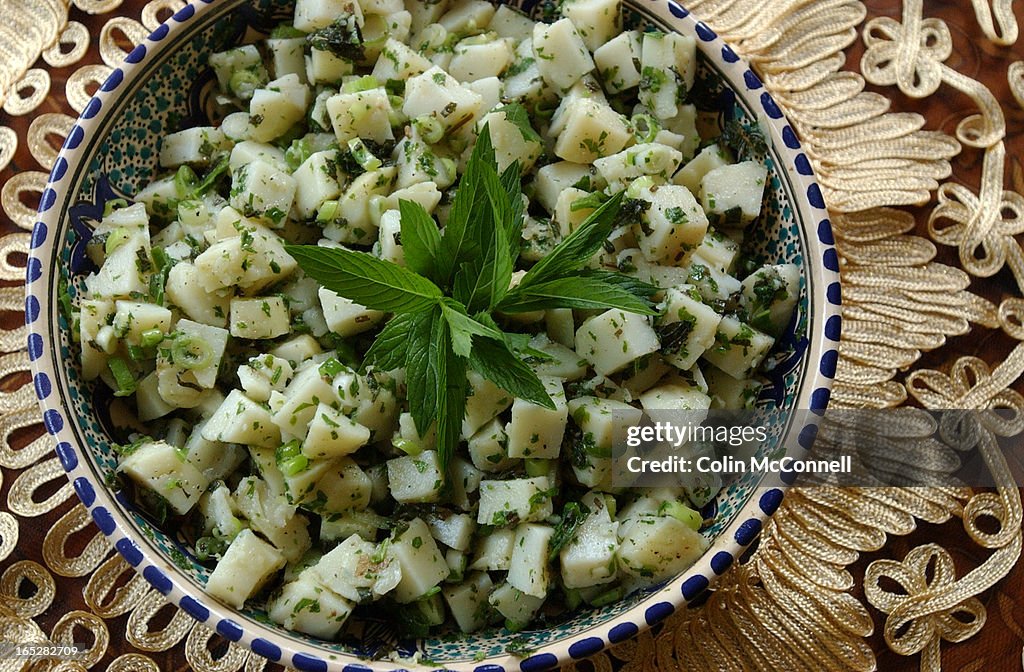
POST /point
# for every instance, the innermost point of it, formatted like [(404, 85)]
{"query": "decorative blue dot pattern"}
[(116, 152)]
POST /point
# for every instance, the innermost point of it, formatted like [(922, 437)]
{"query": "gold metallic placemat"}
[(836, 583)]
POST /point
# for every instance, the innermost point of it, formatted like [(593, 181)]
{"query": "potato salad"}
[(287, 444)]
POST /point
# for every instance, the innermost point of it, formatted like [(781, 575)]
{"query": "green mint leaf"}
[(517, 115), (420, 237), (511, 181), (463, 328), (495, 361), (471, 203), (576, 250), (366, 280), (580, 292), (390, 349), (425, 366), (451, 408)]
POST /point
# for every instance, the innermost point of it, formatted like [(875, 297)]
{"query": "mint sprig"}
[(455, 280)]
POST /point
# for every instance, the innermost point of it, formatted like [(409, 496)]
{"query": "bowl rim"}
[(820, 265)]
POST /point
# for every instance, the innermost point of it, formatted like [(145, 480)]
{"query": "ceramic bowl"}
[(111, 151)]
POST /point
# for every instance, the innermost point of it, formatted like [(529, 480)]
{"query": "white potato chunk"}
[(509, 22), (514, 500), (312, 15), (615, 338), (195, 145), (554, 178), (287, 56), (536, 431), (601, 421), (332, 434), (246, 566), (239, 419), (494, 552), (305, 605), (467, 601), (423, 565), (529, 570), (617, 61), (656, 548), (467, 16), (589, 559), (475, 59), (653, 159), (732, 195), (485, 401), (739, 348), (249, 151), (561, 54), (436, 93), (416, 478), (770, 295), (346, 318), (687, 328), (157, 466), (364, 114), (515, 605), (668, 65), (588, 130), (398, 62), (133, 318), (596, 20), (673, 226), (186, 289), (315, 182), (512, 143), (261, 318), (275, 109)]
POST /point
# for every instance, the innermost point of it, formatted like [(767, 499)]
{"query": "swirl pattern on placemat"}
[(791, 606)]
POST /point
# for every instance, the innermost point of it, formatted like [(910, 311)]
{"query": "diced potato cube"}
[(186, 289), (596, 20), (512, 143), (529, 571), (484, 402), (312, 15), (494, 552), (264, 374), (536, 431), (719, 250), (668, 66), (246, 59), (588, 130), (488, 448), (263, 318), (656, 160), (509, 22), (709, 282), (398, 62), (617, 60), (364, 114), (158, 466), (727, 392), (589, 559), (739, 348), (692, 174), (302, 397), (687, 328), (474, 59), (345, 488), (454, 531), (615, 338), (323, 67), (467, 16), (561, 54), (732, 195), (438, 94), (213, 459), (522, 79), (287, 56), (315, 183), (423, 565), (297, 349), (331, 434), (239, 419), (353, 222), (346, 318), (601, 420), (249, 151), (246, 566), (355, 567), (672, 227), (467, 601), (657, 548), (416, 478), (195, 145), (515, 500), (133, 318), (307, 606), (673, 395), (275, 109), (93, 316), (770, 295), (514, 604), (260, 190), (554, 178), (566, 217)]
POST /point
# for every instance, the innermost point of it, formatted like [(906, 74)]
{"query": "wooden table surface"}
[(997, 648)]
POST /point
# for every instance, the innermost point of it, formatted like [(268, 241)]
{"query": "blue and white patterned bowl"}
[(112, 150)]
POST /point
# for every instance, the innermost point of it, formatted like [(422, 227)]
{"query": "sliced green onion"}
[(244, 82), (287, 451), (116, 239), (185, 181), (431, 130), (611, 505), (682, 513), (638, 185), (139, 354), (362, 84), (608, 597), (407, 446), (297, 153), (573, 598), (362, 155), (331, 367), (123, 377), (294, 465), (645, 128), (284, 32), (190, 353), (151, 338), (114, 204), (589, 202), (537, 467), (546, 109), (208, 547), (327, 212)]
